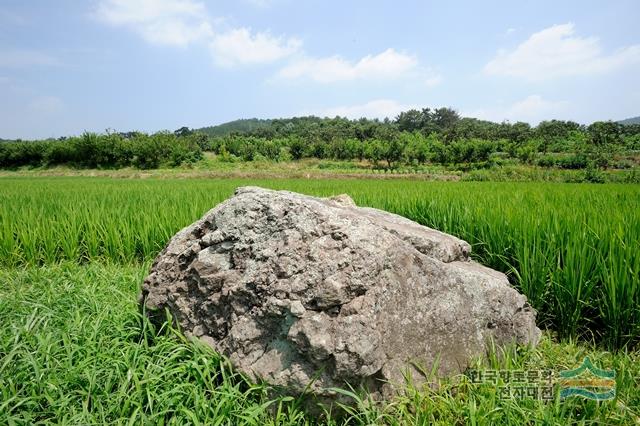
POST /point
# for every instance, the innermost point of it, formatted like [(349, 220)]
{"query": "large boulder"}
[(309, 293)]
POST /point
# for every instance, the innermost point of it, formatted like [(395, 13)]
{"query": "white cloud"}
[(184, 22), (17, 58), (46, 105), (380, 108), (163, 22), (388, 64), (240, 47), (531, 109), (557, 52)]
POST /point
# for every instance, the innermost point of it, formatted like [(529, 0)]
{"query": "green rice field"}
[(74, 348)]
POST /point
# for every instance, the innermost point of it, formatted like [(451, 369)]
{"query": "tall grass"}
[(572, 249), (75, 350)]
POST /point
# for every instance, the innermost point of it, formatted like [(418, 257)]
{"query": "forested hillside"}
[(236, 126), (438, 136), (632, 120), (414, 138)]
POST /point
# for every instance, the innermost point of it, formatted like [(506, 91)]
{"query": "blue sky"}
[(68, 66)]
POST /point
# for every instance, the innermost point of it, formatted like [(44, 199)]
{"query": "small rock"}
[(297, 309)]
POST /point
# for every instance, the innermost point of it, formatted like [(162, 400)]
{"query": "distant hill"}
[(250, 125), (633, 120), (236, 126)]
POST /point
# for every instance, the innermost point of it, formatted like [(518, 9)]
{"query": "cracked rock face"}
[(296, 290)]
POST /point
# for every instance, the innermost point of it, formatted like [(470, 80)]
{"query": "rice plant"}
[(571, 248)]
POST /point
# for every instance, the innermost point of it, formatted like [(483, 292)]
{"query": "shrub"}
[(546, 161), (593, 174), (574, 162)]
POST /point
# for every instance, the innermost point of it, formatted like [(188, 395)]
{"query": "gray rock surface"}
[(297, 290)]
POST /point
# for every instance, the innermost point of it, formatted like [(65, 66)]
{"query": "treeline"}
[(446, 122), (110, 150), (414, 137), (417, 149), (431, 136)]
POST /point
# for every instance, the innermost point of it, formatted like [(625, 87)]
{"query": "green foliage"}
[(547, 161), (467, 143), (573, 161), (297, 148), (18, 154), (110, 150), (527, 153), (414, 138), (602, 133), (471, 151), (227, 157), (562, 257), (554, 134), (76, 350), (630, 121), (416, 147), (632, 142), (593, 174), (236, 126), (284, 154), (374, 150)]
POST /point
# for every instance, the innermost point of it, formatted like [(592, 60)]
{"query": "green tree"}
[(603, 133), (374, 150), (409, 121), (296, 147)]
